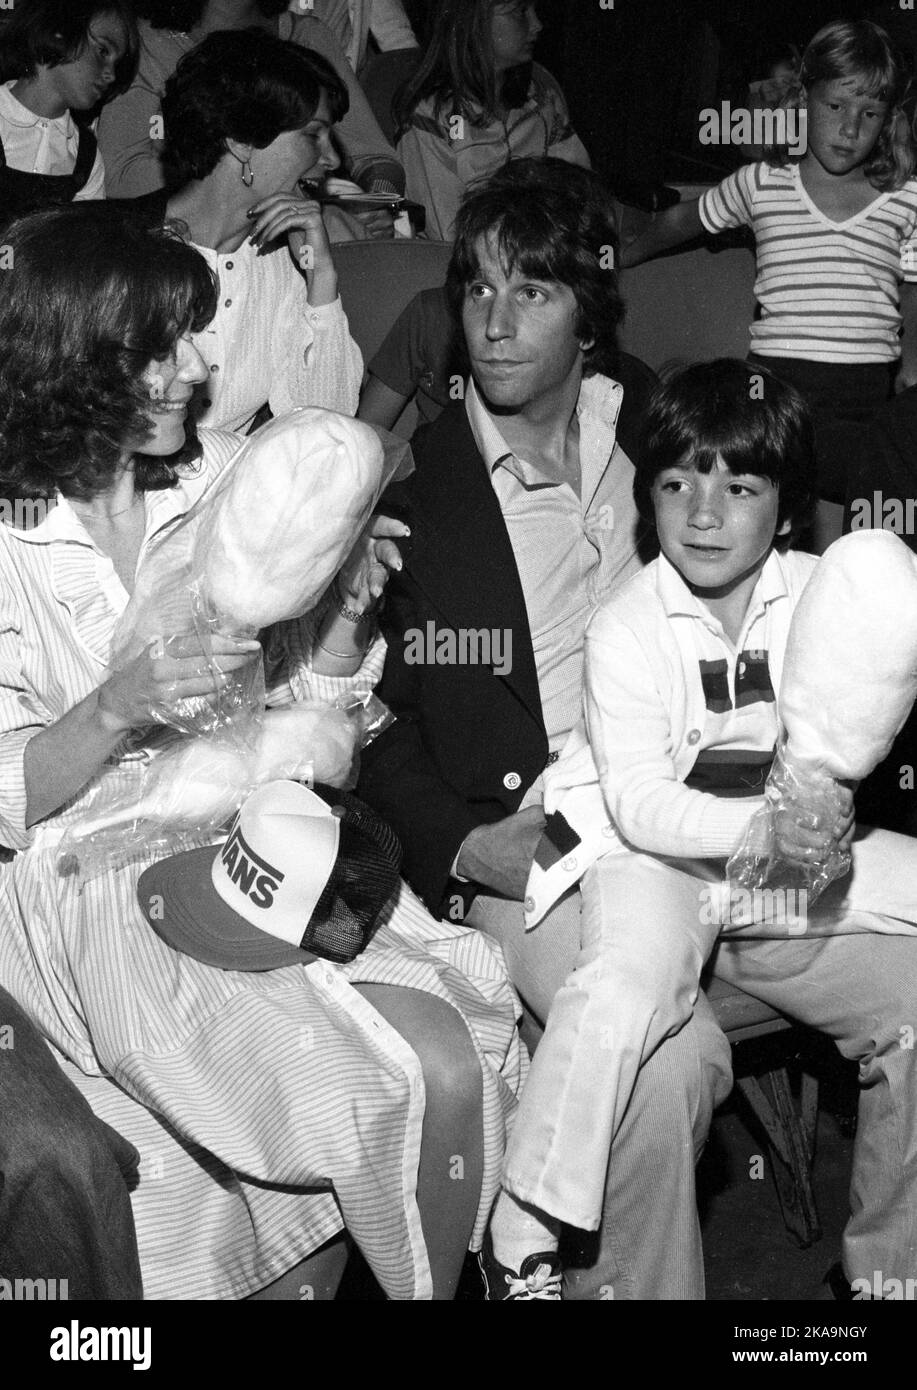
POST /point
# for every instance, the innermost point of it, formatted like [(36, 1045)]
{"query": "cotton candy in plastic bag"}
[(191, 785), (805, 793), (849, 682), (261, 545)]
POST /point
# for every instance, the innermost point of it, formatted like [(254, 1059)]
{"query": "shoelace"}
[(542, 1284)]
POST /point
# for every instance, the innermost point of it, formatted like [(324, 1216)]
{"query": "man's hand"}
[(499, 856)]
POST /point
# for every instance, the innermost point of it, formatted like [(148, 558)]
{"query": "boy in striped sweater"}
[(681, 668)]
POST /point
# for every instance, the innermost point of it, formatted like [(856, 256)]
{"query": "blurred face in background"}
[(514, 28)]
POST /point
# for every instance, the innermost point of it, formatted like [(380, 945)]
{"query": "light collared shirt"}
[(739, 694), (664, 684), (571, 550), (44, 145)]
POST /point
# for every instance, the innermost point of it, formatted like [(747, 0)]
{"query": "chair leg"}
[(791, 1135)]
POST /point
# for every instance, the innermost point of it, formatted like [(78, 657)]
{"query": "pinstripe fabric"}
[(289, 1077), (204, 1233), (828, 291)]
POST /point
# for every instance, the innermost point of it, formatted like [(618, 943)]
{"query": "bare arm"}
[(677, 224), (60, 760), (342, 642), (379, 404)]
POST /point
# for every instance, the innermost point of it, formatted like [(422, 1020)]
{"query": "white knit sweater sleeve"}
[(628, 714), (315, 361)]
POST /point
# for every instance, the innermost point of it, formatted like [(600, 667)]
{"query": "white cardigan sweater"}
[(619, 781)]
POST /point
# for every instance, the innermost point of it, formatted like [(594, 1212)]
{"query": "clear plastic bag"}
[(260, 547), (187, 790), (808, 794)]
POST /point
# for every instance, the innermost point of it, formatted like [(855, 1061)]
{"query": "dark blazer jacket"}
[(467, 743)]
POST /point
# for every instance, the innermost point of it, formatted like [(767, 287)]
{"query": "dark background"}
[(637, 76)]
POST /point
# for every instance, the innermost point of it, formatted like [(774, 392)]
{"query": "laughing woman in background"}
[(247, 116), (131, 129)]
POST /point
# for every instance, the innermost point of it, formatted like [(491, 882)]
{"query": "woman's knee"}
[(438, 1035), (451, 1069)]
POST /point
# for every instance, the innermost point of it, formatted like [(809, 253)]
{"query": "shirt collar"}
[(162, 506), (678, 600), (599, 404), (19, 115)]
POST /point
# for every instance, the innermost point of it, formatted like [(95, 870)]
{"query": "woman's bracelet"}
[(342, 656), (351, 614)]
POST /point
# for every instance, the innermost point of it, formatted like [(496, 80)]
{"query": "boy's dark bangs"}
[(743, 448)]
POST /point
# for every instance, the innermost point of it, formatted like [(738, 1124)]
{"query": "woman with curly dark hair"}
[(131, 129), (368, 1078), (476, 101), (247, 116)]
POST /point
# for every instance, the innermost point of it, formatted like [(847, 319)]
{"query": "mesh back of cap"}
[(363, 880)]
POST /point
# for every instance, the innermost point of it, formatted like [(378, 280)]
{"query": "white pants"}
[(648, 1246), (647, 931)]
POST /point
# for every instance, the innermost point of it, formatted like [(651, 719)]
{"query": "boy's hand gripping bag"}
[(849, 681)]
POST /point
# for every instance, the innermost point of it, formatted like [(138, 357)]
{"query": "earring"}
[(248, 176)]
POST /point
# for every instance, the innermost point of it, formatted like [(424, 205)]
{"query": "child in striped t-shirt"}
[(836, 232)]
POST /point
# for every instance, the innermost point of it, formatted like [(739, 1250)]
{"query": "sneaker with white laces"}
[(539, 1276)]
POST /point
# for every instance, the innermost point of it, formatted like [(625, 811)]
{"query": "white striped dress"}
[(828, 291), (288, 1078)]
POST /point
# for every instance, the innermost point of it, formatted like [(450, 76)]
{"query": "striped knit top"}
[(828, 291)]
